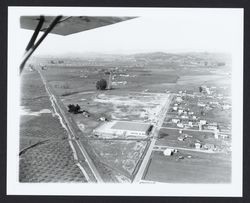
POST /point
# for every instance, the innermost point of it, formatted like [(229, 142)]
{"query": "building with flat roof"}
[(123, 129)]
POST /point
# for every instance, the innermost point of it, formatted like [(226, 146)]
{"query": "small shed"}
[(175, 120), (203, 122), (168, 152), (197, 145), (175, 108)]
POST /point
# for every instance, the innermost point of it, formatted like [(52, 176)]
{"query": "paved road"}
[(75, 144), (187, 129), (160, 118), (163, 147), (192, 130)]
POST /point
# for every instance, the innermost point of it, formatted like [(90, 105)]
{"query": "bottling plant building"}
[(123, 128)]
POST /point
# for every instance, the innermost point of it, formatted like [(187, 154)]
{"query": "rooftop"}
[(133, 126)]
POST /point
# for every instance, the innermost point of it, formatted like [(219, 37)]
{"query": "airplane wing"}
[(61, 25), (70, 24)]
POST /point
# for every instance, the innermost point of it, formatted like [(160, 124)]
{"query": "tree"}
[(101, 84), (74, 108), (200, 89), (77, 108)]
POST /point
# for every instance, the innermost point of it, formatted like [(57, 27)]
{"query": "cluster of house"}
[(214, 104), (113, 74), (190, 122), (211, 93), (119, 83), (197, 144), (185, 118), (83, 76), (206, 146)]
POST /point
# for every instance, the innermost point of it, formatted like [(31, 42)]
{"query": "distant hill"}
[(191, 55), (154, 55), (141, 59)]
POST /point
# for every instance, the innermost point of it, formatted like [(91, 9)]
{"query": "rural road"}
[(163, 147), (192, 130), (75, 144), (186, 129)]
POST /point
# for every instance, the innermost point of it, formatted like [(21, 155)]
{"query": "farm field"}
[(200, 168), (75, 79), (49, 162), (44, 127), (45, 154)]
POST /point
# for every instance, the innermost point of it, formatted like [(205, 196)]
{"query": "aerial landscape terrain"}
[(126, 118)]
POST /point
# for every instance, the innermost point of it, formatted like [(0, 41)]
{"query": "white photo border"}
[(14, 187)]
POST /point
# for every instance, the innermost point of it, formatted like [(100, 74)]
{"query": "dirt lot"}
[(134, 106), (200, 168), (114, 105), (121, 155)]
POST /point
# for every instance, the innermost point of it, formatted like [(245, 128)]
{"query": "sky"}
[(179, 31)]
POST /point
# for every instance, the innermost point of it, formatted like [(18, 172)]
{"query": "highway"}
[(74, 143), (160, 119)]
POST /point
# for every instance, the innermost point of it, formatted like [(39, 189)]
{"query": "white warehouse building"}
[(123, 128)]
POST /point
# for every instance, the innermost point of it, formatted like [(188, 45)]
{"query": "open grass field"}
[(33, 93), (200, 168), (74, 79)]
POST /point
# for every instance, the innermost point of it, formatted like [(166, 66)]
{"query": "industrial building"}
[(123, 129)]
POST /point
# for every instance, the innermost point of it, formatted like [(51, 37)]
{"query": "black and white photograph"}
[(125, 101)]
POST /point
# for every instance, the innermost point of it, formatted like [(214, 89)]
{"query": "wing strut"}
[(35, 34), (31, 47)]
